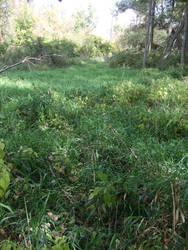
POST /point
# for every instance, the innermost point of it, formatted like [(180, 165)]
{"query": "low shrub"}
[(3, 48), (63, 47), (172, 60), (134, 58), (175, 72), (59, 53), (128, 58), (154, 58), (94, 46)]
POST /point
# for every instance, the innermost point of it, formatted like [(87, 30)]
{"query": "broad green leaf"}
[(28, 151), (94, 234), (4, 181), (96, 191), (2, 145), (7, 207), (2, 165), (2, 154)]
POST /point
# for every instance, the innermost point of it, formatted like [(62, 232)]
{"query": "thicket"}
[(61, 52), (160, 34), (55, 50), (129, 52)]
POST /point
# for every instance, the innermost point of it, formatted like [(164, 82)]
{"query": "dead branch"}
[(171, 41), (27, 59), (6, 67)]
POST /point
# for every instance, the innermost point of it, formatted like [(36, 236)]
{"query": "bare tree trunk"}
[(149, 31), (185, 37), (171, 41), (152, 24)]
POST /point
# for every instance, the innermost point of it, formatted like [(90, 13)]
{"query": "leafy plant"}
[(94, 46), (10, 245), (24, 29), (4, 172), (60, 243), (128, 58)]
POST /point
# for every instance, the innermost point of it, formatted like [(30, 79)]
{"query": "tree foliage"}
[(139, 6), (168, 15), (85, 20)]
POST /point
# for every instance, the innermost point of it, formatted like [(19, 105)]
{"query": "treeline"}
[(160, 36), (57, 39)]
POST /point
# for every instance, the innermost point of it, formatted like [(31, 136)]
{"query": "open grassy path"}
[(98, 158)]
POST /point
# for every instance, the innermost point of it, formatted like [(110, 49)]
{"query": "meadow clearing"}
[(98, 158)]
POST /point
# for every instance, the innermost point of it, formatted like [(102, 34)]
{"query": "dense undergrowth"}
[(54, 52), (98, 158)]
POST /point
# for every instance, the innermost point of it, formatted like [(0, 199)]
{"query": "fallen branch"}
[(27, 59), (4, 68)]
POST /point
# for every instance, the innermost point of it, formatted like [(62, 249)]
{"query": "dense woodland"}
[(93, 132), (168, 16)]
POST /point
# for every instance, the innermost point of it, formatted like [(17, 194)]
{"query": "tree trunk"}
[(171, 41), (149, 31), (185, 36), (152, 24)]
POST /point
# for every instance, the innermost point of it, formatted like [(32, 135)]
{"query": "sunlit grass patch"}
[(98, 157)]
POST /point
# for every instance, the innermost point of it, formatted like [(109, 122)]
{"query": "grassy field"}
[(98, 158)]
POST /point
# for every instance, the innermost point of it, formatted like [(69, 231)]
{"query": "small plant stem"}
[(27, 217), (174, 209)]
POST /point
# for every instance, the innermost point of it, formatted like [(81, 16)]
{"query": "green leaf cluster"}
[(4, 172), (60, 243), (10, 245)]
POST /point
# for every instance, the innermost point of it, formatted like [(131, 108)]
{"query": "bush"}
[(172, 60), (129, 58), (3, 48), (94, 46), (131, 39), (176, 73), (24, 28), (134, 58), (65, 47), (154, 58), (60, 52), (62, 60)]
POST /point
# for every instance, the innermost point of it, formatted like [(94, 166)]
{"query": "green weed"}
[(98, 157)]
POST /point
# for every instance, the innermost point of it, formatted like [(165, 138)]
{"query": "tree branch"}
[(6, 67), (27, 59), (171, 41)]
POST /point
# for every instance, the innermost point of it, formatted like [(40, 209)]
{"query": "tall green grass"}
[(98, 158)]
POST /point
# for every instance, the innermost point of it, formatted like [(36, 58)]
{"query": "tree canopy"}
[(170, 15)]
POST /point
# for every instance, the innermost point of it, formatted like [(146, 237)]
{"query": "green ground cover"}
[(98, 158)]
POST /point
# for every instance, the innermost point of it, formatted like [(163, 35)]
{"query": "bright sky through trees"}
[(103, 12)]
